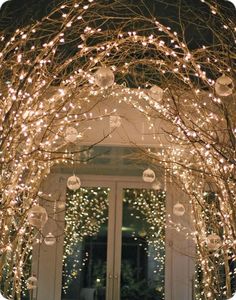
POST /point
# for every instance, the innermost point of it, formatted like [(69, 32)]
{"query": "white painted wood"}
[(180, 252)]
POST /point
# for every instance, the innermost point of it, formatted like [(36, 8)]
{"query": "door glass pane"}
[(143, 245), (85, 244)]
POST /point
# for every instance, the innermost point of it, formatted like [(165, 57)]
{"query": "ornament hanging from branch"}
[(104, 77), (156, 93), (149, 175), (213, 242), (71, 134), (224, 86), (179, 209), (73, 183), (37, 216), (32, 283)]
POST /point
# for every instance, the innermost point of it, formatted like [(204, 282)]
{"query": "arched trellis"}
[(54, 71)]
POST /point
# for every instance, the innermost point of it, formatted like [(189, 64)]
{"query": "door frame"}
[(114, 235), (120, 186), (47, 261)]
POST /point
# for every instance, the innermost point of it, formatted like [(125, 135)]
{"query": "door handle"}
[(109, 291), (116, 287)]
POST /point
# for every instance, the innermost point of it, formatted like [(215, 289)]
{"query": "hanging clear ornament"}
[(50, 239), (32, 283), (37, 216), (149, 175), (156, 93), (224, 86), (104, 77), (213, 242), (71, 134), (178, 209), (73, 183)]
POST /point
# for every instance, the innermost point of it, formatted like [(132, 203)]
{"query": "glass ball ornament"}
[(71, 134), (37, 216), (156, 93), (104, 77), (50, 239), (149, 175), (213, 242), (32, 283), (178, 209), (73, 183), (224, 86), (115, 121)]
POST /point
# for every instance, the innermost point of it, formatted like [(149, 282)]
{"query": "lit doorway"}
[(114, 247)]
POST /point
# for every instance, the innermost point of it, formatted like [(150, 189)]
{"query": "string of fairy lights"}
[(86, 211), (48, 94), (149, 205)]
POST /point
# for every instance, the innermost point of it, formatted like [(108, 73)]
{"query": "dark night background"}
[(17, 13)]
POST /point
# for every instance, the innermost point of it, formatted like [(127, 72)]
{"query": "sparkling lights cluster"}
[(149, 206), (54, 72), (86, 211)]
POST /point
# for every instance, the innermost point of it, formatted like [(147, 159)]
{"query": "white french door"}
[(120, 252)]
